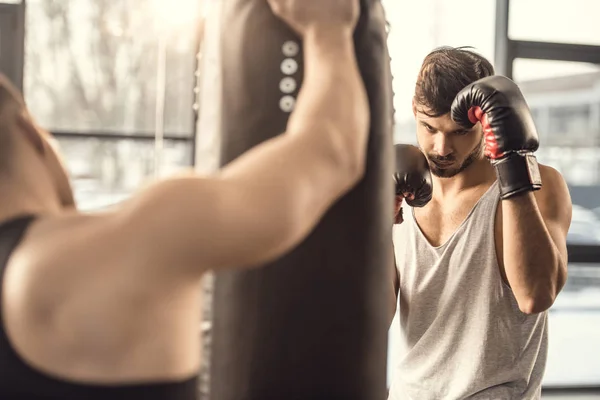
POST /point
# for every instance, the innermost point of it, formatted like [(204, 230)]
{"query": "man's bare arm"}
[(535, 227), (270, 198)]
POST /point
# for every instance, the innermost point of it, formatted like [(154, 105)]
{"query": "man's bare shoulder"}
[(554, 199), (84, 272), (551, 174), (72, 230), (554, 187)]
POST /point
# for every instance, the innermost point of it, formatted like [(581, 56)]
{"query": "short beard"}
[(476, 154)]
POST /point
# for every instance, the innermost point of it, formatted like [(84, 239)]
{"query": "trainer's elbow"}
[(536, 304), (358, 162), (352, 160), (273, 243), (355, 171)]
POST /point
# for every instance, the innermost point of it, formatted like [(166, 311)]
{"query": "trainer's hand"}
[(306, 15), (412, 179), (510, 134)]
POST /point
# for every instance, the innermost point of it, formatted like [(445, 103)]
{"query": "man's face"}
[(449, 148)]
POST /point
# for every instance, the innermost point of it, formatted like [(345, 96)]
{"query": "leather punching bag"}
[(312, 325)]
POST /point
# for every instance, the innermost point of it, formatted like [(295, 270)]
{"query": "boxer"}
[(481, 259), (107, 306)]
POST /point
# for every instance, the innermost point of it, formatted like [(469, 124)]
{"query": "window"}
[(94, 68), (570, 125), (567, 99), (106, 171), (574, 21), (573, 353)]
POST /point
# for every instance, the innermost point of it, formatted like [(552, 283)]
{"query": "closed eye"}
[(428, 127)]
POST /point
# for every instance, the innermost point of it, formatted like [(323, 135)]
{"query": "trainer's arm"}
[(266, 202), (535, 227), (394, 276), (395, 286)]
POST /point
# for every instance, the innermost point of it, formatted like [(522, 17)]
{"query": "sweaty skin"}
[(114, 297)]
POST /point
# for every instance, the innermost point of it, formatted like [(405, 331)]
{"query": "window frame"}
[(135, 137), (18, 12), (13, 67), (508, 50)]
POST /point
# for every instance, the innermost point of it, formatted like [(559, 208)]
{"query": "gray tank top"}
[(462, 335)]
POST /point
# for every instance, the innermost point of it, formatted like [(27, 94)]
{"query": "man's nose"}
[(442, 146)]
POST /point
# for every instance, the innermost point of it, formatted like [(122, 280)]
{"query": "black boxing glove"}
[(510, 134), (412, 175)]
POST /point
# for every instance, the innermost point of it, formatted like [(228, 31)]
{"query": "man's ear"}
[(30, 130)]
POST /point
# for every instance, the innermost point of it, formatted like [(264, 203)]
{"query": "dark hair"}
[(444, 73), (10, 101)]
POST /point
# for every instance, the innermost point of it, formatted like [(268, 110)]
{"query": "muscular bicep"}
[(195, 224), (244, 224), (554, 203), (254, 210)]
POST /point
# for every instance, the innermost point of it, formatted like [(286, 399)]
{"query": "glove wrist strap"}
[(517, 173)]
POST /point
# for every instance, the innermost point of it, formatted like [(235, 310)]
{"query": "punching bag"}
[(312, 325)]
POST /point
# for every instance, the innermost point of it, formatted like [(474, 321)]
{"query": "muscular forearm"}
[(534, 267), (535, 217)]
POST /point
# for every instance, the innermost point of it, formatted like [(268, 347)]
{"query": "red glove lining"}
[(475, 115)]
